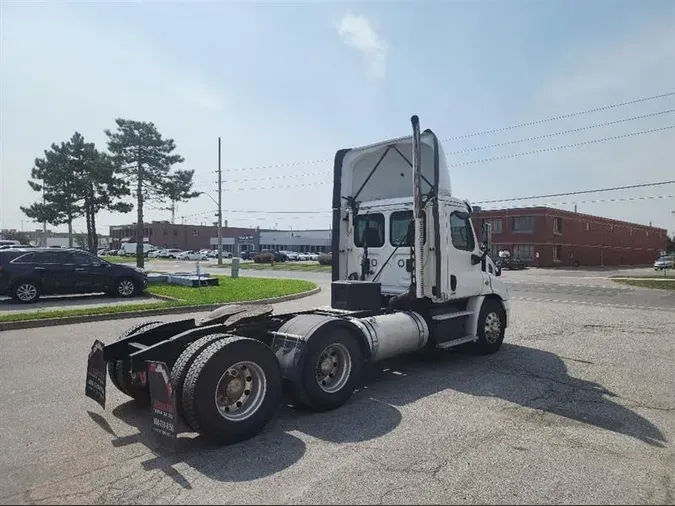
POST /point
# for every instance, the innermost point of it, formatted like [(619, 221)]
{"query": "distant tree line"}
[(77, 180)]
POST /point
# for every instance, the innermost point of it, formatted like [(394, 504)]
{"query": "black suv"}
[(25, 274)]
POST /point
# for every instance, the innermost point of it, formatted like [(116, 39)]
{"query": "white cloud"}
[(358, 32)]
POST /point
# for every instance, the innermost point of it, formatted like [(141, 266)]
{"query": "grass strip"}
[(229, 290)]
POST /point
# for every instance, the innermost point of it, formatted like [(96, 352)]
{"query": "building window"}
[(611, 229), (175, 232), (401, 232), (630, 232), (461, 232), (195, 232), (523, 251), (523, 224), (497, 225), (557, 225), (588, 226), (557, 253), (373, 237)]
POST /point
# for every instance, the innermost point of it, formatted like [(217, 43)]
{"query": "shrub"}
[(325, 259), (263, 258)]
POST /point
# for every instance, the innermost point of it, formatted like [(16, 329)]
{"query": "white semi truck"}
[(409, 273)]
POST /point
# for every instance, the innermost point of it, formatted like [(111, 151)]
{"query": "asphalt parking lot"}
[(577, 407)]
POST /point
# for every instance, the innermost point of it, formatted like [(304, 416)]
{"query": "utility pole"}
[(220, 209), (44, 223)]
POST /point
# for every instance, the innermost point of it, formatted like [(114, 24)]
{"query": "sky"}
[(286, 85)]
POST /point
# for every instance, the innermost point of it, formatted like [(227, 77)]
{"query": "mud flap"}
[(96, 374), (162, 402)]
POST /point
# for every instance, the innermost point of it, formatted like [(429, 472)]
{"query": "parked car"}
[(303, 257), (247, 255), (170, 253), (664, 262), (314, 257), (278, 255), (27, 274), (292, 256), (192, 255), (155, 253)]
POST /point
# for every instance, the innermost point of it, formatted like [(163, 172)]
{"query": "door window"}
[(51, 257), (401, 233), (80, 259), (373, 235), (461, 232)]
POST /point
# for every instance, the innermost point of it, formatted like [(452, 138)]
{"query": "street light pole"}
[(220, 209)]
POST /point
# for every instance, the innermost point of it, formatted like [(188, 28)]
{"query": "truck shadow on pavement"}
[(535, 381), (526, 377)]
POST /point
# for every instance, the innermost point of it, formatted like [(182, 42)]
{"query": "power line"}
[(563, 132), (475, 134), (563, 116), (558, 148), (479, 148), (484, 160), (594, 201), (579, 192), (514, 199)]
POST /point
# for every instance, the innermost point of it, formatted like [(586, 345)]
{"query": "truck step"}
[(455, 342), (138, 346), (451, 314)]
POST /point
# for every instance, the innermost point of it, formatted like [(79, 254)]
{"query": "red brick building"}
[(546, 237), (164, 234)]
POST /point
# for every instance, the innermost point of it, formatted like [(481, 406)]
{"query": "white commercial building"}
[(301, 241)]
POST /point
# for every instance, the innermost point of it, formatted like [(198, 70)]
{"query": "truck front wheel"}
[(491, 326), (331, 369)]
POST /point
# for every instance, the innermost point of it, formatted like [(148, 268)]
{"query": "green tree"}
[(15, 235), (145, 158), (100, 187), (670, 244), (53, 176), (76, 180), (178, 188)]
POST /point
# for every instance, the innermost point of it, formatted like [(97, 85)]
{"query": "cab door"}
[(469, 278)]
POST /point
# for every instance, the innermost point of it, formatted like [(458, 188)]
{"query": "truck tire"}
[(330, 371), (182, 366), (491, 327), (232, 390), (120, 370)]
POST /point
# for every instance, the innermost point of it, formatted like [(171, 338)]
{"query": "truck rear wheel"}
[(120, 370), (491, 327), (232, 389), (331, 369), (182, 366)]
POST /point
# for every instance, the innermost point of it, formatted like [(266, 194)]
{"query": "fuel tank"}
[(393, 334)]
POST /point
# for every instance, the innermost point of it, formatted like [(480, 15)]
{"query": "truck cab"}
[(375, 225)]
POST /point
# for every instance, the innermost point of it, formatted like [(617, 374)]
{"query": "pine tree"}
[(145, 159), (76, 180), (178, 189), (60, 191)]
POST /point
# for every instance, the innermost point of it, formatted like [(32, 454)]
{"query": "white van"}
[(129, 249)]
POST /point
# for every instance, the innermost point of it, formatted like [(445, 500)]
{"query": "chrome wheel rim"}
[(26, 292), (125, 287), (240, 391), (333, 368), (493, 327)]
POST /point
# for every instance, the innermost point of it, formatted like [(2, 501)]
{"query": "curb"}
[(67, 320)]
